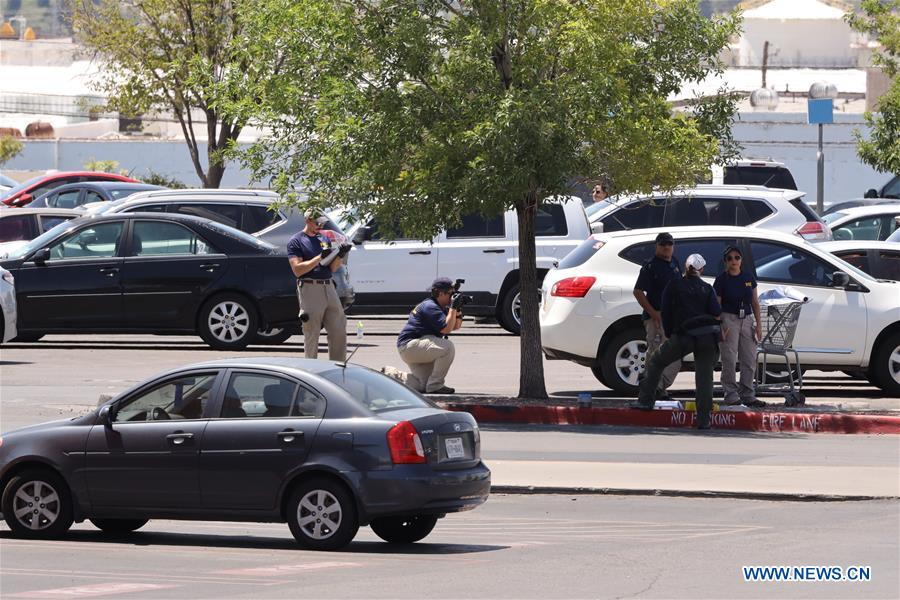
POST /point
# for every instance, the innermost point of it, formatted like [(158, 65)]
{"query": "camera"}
[(303, 316), (459, 300)]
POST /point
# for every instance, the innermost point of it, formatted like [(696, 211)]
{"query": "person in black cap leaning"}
[(313, 259), (690, 315), (655, 275), (423, 343)]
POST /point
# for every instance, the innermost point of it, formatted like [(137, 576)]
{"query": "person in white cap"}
[(690, 316)]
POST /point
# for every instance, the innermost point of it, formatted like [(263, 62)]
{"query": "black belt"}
[(319, 281)]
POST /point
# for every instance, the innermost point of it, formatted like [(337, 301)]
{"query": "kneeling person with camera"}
[(423, 343)]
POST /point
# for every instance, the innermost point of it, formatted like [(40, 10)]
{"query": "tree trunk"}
[(531, 363)]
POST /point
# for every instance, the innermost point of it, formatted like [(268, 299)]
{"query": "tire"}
[(118, 526), (273, 336), (885, 365), (54, 509), (508, 312), (403, 530), (597, 370), (227, 322), (309, 502), (27, 337), (623, 360)]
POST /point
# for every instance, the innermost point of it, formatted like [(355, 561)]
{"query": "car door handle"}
[(288, 437), (494, 251), (420, 251), (179, 438), (209, 266), (110, 271)]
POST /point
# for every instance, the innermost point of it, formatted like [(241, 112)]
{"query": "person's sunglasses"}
[(598, 191), (731, 257)]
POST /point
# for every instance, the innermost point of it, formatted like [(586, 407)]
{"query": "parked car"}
[(326, 447), (250, 211), (391, 276), (881, 260), (75, 195), (894, 237), (18, 226), (8, 305), (754, 171), (25, 192), (728, 205), (152, 272), (589, 316), (865, 222), (889, 190), (845, 204)]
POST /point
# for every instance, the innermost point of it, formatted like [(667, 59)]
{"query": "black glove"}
[(344, 250), (456, 301)]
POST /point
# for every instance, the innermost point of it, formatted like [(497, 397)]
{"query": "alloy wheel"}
[(319, 514), (228, 321), (630, 361), (36, 505), (894, 365)]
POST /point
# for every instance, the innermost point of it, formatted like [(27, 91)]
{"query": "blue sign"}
[(820, 111)]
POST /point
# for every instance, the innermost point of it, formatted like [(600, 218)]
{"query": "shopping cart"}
[(779, 324)]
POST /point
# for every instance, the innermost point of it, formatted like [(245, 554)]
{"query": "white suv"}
[(734, 205), (392, 276), (589, 315)]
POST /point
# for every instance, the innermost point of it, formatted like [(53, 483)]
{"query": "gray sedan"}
[(323, 446)]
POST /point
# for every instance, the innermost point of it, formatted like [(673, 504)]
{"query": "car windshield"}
[(596, 208), (375, 391), (23, 185), (832, 217), (42, 240)]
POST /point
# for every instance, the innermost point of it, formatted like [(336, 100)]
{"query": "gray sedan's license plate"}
[(454, 447)]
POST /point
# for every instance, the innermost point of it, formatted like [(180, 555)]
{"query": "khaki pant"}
[(323, 306), (429, 359), (670, 372), (738, 348)]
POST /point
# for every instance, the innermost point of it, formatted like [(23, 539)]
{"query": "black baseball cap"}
[(732, 249), (665, 237), (442, 283)]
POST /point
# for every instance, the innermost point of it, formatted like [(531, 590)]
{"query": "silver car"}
[(8, 304)]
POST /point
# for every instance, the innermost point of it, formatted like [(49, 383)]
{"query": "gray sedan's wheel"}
[(119, 525), (273, 336), (322, 515), (228, 322), (623, 361), (403, 530), (36, 504)]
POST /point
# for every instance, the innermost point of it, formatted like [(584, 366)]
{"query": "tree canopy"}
[(881, 20), (173, 55), (419, 112)]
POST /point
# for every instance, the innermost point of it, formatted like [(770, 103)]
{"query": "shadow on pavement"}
[(627, 431), (254, 542)]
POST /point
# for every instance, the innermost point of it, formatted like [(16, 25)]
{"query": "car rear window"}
[(581, 253), (550, 220), (773, 177), (375, 391), (808, 213)]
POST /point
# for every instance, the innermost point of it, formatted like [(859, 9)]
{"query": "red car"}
[(24, 193)]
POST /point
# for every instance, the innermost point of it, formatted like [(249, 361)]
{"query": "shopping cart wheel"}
[(794, 399)]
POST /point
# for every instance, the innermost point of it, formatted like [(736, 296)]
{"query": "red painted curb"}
[(725, 420)]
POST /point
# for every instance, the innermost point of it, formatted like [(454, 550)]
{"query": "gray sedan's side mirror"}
[(362, 234), (105, 416), (41, 256), (839, 279), (871, 193)]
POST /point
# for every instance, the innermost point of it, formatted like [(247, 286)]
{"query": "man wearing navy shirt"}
[(423, 343), (315, 290), (655, 275)]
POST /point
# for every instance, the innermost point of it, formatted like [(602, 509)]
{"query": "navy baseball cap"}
[(442, 283), (665, 237)]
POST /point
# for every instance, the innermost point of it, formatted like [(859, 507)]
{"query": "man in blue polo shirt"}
[(318, 298), (423, 343)]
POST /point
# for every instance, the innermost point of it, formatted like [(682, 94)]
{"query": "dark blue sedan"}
[(324, 446)]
